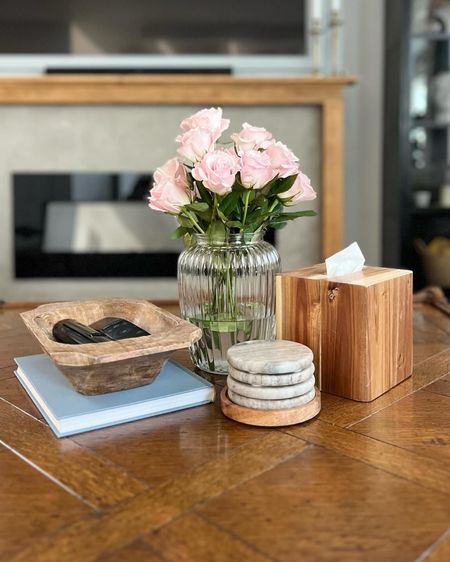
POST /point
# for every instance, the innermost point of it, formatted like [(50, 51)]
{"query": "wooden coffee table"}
[(363, 481)]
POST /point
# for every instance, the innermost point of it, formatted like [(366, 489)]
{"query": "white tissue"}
[(348, 260)]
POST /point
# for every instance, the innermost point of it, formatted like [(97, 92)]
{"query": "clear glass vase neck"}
[(229, 239)]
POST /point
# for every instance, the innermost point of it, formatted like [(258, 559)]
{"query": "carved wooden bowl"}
[(97, 368)]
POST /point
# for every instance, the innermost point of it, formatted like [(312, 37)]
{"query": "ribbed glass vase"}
[(227, 288)]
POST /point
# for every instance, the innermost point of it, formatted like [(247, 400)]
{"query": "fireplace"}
[(68, 171)]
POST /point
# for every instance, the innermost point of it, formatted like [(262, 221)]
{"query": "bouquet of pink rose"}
[(242, 186)]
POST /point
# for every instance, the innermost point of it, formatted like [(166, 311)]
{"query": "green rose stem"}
[(194, 222), (274, 204), (246, 198)]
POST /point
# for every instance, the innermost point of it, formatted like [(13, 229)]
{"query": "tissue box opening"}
[(359, 326)]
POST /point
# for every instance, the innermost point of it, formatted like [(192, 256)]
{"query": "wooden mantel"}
[(323, 91)]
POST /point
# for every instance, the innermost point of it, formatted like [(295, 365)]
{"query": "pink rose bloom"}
[(169, 197), (256, 169), (195, 144), (217, 171), (172, 170), (300, 191), (283, 160), (252, 138), (207, 119), (170, 190)]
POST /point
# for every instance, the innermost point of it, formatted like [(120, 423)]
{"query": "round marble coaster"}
[(274, 357), (269, 418), (258, 404), (271, 380), (270, 392)]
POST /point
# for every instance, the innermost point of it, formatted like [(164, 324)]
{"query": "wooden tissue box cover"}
[(359, 326)]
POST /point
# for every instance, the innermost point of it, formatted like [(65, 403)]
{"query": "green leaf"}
[(206, 216), (297, 214), (283, 185), (198, 206), (222, 217), (234, 224), (184, 221), (189, 240), (205, 195), (237, 186), (277, 225), (229, 202), (268, 187), (179, 232), (216, 231), (261, 201)]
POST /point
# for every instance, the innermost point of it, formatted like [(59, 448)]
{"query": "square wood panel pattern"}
[(363, 482)]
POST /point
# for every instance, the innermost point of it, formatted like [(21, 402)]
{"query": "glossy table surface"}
[(363, 481)]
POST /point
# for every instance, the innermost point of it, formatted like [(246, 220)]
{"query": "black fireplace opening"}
[(87, 225), (91, 225)]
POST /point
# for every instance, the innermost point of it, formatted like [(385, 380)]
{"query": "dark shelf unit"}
[(428, 124), (402, 221), (431, 35), (432, 212)]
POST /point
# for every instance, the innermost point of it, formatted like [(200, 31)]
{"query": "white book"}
[(69, 412)]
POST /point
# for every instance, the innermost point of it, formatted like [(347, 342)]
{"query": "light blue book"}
[(69, 412)]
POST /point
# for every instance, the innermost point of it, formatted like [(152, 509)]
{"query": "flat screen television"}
[(238, 36)]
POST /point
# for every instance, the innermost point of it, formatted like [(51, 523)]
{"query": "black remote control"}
[(118, 328), (106, 329), (71, 331)]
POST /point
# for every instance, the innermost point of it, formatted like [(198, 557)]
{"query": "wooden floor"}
[(363, 482)]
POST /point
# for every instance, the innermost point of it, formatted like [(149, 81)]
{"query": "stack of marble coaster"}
[(270, 383)]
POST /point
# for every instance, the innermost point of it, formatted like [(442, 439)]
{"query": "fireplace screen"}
[(90, 225)]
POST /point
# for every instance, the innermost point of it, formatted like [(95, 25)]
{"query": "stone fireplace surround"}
[(127, 137)]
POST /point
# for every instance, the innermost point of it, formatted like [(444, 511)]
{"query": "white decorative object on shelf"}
[(444, 196), (336, 37), (422, 199), (315, 37)]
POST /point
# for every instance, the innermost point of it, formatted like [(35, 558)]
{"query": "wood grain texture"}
[(440, 551), (442, 386), (367, 498), (192, 538), (331, 208), (166, 90), (13, 343), (410, 465), (138, 551), (430, 335), (359, 327), (86, 539), (82, 472), (269, 418), (162, 448), (13, 392), (30, 505), (322, 505), (113, 365), (410, 424), (345, 413)]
